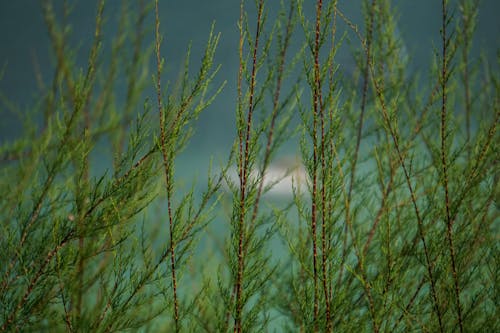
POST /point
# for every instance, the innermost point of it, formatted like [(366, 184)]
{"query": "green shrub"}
[(395, 228)]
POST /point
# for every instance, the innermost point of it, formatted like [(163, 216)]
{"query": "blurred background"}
[(25, 50)]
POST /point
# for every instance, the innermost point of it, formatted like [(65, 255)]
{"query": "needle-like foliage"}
[(391, 219)]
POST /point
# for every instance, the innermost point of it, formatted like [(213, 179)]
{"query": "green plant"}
[(396, 231)]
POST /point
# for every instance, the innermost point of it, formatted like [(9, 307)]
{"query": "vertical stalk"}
[(274, 116), (317, 109), (81, 190), (449, 220), (167, 165), (324, 211), (366, 78), (244, 171), (239, 127)]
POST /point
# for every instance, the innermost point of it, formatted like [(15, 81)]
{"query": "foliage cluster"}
[(396, 231)]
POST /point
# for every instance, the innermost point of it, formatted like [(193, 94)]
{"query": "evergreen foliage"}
[(396, 230)]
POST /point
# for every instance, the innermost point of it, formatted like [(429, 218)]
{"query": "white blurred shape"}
[(280, 179)]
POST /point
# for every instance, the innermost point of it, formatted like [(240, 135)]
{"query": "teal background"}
[(24, 45)]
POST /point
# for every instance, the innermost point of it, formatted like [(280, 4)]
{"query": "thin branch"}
[(449, 221), (167, 165), (418, 215), (244, 169)]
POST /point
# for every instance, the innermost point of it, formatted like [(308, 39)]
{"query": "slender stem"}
[(239, 129), (324, 211), (449, 220), (244, 173), (317, 109), (274, 116), (86, 167), (366, 78), (167, 165)]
